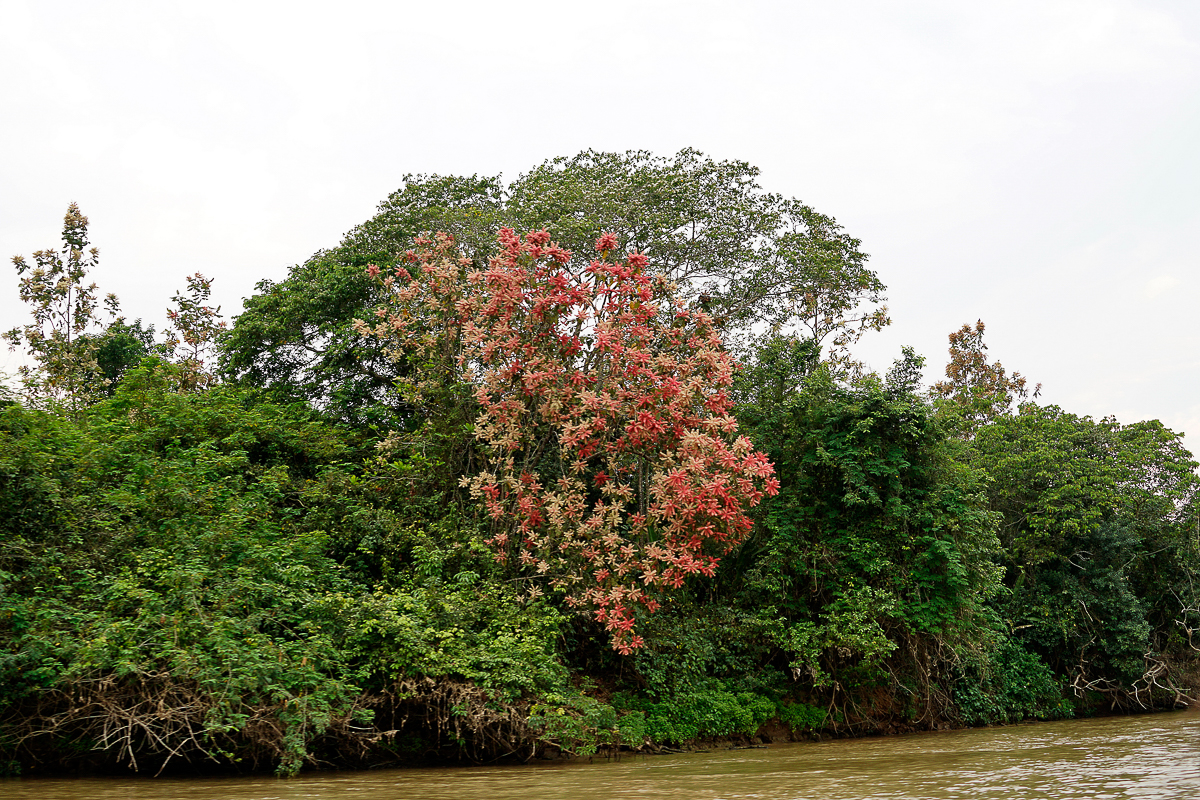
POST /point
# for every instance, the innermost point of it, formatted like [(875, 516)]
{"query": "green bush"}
[(703, 713), (801, 716), (581, 725), (1012, 685), (229, 568)]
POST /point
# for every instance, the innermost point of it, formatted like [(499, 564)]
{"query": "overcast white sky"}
[(1033, 164)]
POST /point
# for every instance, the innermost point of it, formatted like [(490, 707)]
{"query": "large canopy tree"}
[(753, 259)]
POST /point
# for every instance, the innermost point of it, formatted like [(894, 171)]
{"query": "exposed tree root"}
[(151, 722)]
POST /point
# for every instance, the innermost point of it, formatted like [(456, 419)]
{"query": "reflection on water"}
[(1151, 756)]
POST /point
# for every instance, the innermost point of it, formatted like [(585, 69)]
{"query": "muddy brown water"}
[(1148, 756)]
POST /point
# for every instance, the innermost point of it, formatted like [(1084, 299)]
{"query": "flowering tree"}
[(192, 332), (612, 464), (62, 337), (980, 392)]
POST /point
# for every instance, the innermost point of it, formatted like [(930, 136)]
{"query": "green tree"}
[(877, 554), (1098, 535), (296, 337), (120, 348), (750, 257)]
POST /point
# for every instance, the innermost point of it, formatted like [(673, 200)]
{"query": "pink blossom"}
[(607, 241)]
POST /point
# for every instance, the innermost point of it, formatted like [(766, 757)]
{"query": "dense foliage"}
[(404, 508)]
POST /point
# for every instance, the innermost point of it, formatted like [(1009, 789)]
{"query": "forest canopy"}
[(573, 464)]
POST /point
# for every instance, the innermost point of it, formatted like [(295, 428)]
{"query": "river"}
[(1147, 756)]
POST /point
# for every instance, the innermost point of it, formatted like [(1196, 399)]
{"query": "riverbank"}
[(1144, 755), (428, 723)]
